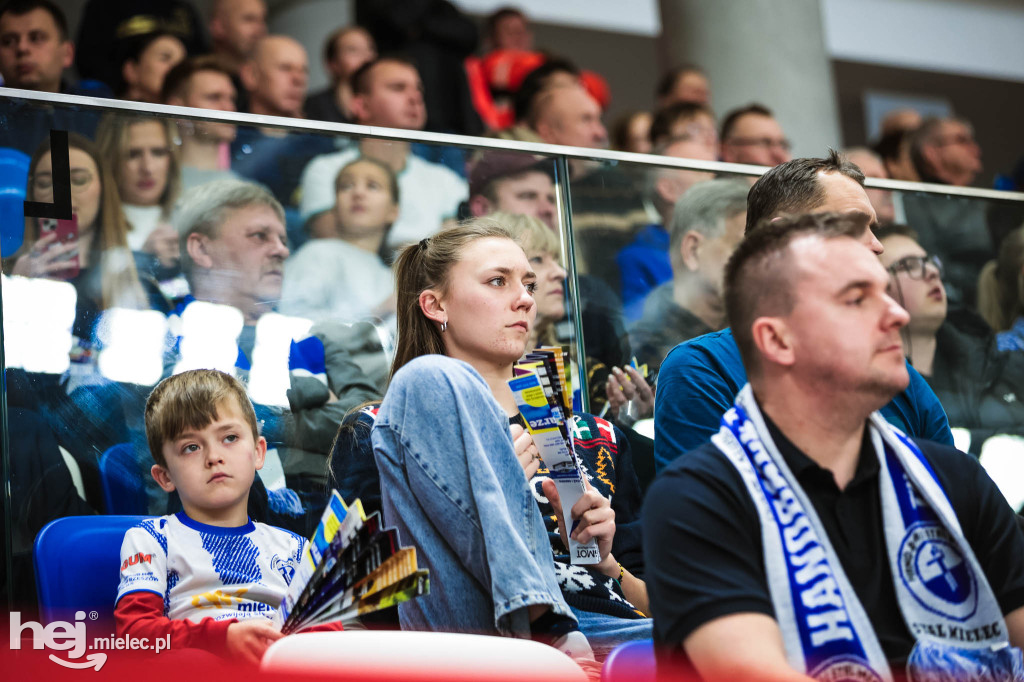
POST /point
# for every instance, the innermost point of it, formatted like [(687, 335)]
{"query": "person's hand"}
[(526, 450), (249, 639), (594, 518), (45, 258), (162, 242), (624, 386)]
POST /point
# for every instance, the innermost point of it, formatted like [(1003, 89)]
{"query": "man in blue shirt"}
[(699, 379)]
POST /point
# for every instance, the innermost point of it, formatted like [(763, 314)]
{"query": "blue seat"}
[(76, 562), (124, 489), (13, 181), (631, 662)]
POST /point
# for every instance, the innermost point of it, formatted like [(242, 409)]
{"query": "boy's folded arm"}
[(141, 614)]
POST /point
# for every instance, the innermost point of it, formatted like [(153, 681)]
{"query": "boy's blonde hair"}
[(189, 401)]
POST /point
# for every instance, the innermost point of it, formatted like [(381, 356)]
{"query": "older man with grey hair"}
[(706, 226), (234, 247)]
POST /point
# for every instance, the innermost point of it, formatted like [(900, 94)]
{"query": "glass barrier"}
[(158, 242), (262, 251)]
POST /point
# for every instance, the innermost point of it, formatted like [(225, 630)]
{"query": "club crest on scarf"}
[(935, 572)]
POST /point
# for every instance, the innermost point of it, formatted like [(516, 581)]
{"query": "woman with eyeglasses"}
[(90, 251), (980, 388)]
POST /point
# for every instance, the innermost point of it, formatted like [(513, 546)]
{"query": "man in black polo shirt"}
[(810, 537)]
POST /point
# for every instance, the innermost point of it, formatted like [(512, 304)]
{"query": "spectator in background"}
[(508, 28), (107, 25), (707, 224), (34, 46), (979, 386), (752, 135), (344, 52), (342, 276), (236, 26), (568, 115), (35, 51), (646, 261), (204, 83), (145, 163), (513, 183), (687, 84), (944, 151), (275, 79), (145, 64), (387, 93), (233, 252), (436, 37), (955, 229), (894, 150), (700, 378), (1001, 292), (632, 132), (871, 165), (904, 120), (685, 119)]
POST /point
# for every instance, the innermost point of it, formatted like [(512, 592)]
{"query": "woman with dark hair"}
[(145, 63), (461, 478)]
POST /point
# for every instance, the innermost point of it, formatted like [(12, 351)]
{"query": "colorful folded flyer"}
[(551, 436), (351, 566)]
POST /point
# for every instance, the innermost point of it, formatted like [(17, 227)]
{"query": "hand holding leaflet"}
[(550, 434), (592, 517)]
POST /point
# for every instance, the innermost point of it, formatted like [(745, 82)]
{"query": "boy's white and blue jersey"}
[(208, 571)]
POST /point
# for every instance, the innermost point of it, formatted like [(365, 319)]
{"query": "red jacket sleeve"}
[(326, 627), (141, 614)]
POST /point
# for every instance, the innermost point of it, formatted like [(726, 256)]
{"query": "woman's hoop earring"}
[(444, 326)]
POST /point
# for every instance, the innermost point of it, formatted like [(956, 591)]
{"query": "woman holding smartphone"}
[(462, 479), (92, 253)]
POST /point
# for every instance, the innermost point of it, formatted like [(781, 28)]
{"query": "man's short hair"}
[(177, 80), (665, 118), (189, 401), (525, 100), (759, 277), (22, 7), (668, 82), (729, 122), (491, 22), (204, 209), (704, 208), (362, 78), (794, 187)]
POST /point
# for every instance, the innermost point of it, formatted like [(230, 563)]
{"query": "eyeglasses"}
[(80, 179), (765, 142), (916, 266)]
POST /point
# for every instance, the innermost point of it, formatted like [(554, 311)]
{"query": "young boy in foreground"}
[(208, 576)]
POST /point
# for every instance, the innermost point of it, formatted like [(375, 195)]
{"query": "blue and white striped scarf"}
[(943, 594)]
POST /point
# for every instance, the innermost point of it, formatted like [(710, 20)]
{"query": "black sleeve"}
[(702, 546), (353, 468), (989, 524), (627, 500)]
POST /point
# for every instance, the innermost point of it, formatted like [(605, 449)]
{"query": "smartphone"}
[(67, 232)]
